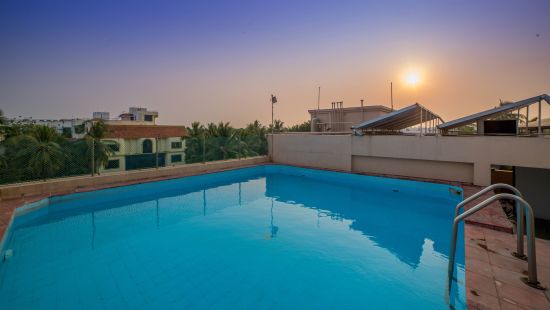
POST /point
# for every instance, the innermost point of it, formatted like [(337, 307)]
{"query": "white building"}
[(75, 128)]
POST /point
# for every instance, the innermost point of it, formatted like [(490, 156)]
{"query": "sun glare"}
[(412, 78)]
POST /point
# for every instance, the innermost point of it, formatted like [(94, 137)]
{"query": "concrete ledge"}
[(73, 184)]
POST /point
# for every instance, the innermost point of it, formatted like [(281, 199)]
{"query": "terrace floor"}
[(493, 275)]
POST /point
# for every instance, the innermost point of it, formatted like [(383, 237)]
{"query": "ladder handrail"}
[(530, 221), (520, 230), (483, 191)]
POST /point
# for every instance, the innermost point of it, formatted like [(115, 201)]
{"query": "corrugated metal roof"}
[(491, 112), (400, 119)]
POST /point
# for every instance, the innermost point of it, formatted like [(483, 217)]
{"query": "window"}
[(79, 129), (113, 146), (176, 158), (67, 132), (176, 145), (147, 146), (113, 164), (148, 118)]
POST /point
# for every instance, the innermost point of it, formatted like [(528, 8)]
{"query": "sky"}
[(212, 61)]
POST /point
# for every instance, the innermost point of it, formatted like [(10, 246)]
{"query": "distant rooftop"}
[(406, 117), (493, 112)]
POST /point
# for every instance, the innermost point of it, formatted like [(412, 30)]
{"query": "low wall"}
[(319, 151), (72, 184), (427, 169), (466, 159)]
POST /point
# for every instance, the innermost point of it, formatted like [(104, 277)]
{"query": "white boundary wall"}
[(465, 159)]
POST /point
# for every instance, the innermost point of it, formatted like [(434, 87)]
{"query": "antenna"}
[(319, 98), (391, 95)]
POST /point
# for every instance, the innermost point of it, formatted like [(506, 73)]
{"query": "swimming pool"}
[(270, 236)]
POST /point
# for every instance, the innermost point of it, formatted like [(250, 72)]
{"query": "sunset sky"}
[(220, 60)]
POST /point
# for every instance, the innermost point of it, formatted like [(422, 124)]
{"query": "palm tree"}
[(3, 120), (96, 147), (194, 143), (522, 118), (278, 126), (255, 137), (303, 127), (37, 155), (223, 142)]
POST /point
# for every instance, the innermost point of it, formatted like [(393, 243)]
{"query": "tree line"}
[(34, 152), (222, 141)]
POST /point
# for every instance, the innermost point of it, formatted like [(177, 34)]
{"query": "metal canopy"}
[(403, 118), (492, 112)]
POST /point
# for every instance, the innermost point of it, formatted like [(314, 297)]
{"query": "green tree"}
[(36, 155), (3, 120), (255, 137), (222, 142), (303, 127), (277, 126), (194, 143), (100, 150)]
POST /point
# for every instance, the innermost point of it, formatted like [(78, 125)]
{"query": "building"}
[(140, 115), (498, 147), (101, 115), (75, 128), (137, 142), (144, 146), (340, 119)]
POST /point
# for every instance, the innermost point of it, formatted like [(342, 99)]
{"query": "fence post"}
[(203, 148), (240, 147), (93, 156), (157, 152)]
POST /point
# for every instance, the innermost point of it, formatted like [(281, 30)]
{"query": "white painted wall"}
[(336, 152)]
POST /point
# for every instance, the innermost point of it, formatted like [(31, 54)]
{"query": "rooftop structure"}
[(395, 122), (133, 116), (101, 115), (74, 128), (340, 119), (480, 118)]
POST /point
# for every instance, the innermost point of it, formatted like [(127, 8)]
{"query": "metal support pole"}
[(540, 118), (421, 112), (527, 121)]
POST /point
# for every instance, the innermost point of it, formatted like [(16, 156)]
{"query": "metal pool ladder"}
[(521, 207)]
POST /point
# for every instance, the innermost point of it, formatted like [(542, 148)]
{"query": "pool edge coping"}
[(28, 204)]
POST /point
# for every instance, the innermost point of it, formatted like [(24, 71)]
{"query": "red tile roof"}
[(144, 131)]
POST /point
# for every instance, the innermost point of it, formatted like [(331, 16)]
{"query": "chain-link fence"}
[(42, 155)]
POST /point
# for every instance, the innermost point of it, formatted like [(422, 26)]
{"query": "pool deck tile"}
[(492, 273)]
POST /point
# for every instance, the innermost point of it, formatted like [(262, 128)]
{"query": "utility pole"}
[(273, 101), (362, 112)]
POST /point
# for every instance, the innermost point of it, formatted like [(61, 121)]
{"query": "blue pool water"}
[(272, 236)]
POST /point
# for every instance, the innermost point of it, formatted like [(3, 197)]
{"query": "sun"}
[(412, 78)]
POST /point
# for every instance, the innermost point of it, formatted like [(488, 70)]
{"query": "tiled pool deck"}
[(493, 275)]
